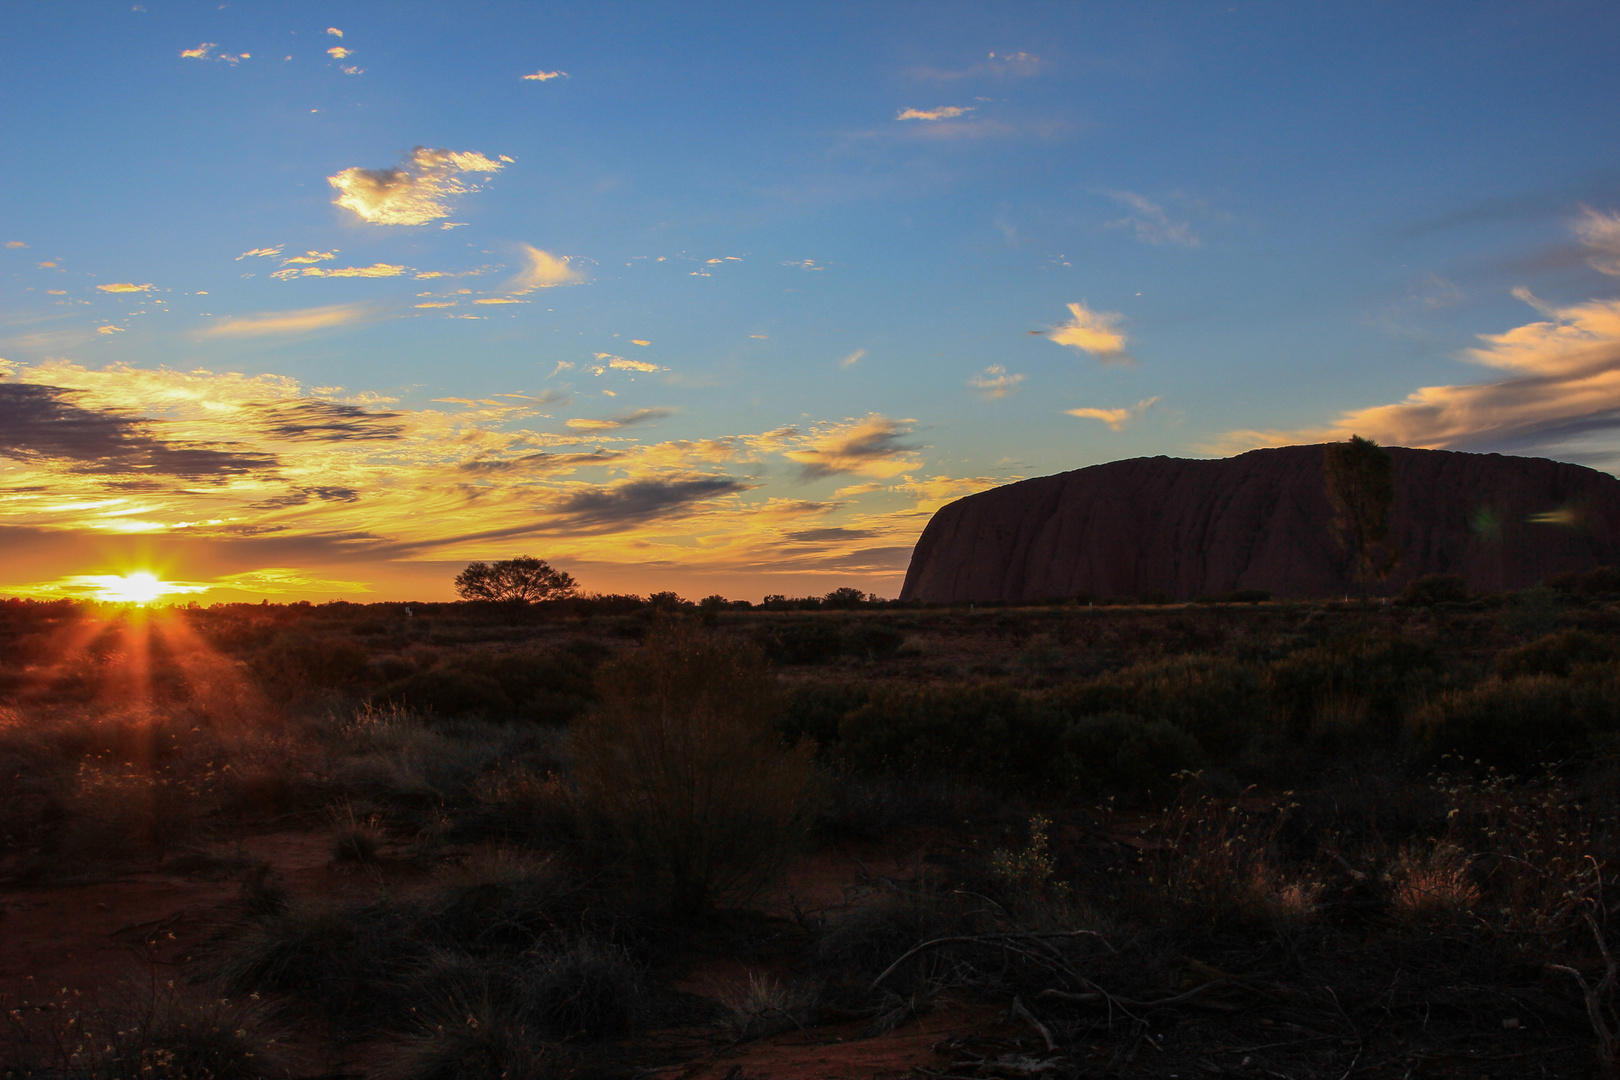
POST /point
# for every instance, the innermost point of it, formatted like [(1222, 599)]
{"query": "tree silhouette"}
[(1361, 486), (522, 580)]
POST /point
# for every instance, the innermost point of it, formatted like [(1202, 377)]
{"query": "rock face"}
[(1182, 528)]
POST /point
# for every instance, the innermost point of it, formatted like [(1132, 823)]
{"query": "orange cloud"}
[(1565, 386), (124, 287), (542, 76), (413, 193), (544, 271), (375, 270), (301, 321), (942, 112), (871, 446), (1095, 332), (1115, 418)]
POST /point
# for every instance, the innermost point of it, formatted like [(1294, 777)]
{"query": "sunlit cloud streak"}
[(1115, 418), (623, 420), (543, 75), (375, 270), (415, 192), (1094, 332), (124, 287), (300, 321), (259, 253), (871, 446), (1565, 385), (942, 112)]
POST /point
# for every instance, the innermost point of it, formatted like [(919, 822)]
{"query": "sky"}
[(315, 301)]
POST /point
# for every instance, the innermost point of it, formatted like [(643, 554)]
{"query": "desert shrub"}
[(542, 686), (1603, 580), (504, 902), (151, 1032), (683, 760), (354, 966), (1368, 685), (802, 641), (992, 733), (586, 990), (295, 665), (880, 928), (1558, 653), (813, 710), (473, 1032), (1434, 589), (766, 1005), (1219, 702), (872, 641), (1120, 751), (1514, 723)]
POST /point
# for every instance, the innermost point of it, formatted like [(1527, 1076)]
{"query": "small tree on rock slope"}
[(1361, 486)]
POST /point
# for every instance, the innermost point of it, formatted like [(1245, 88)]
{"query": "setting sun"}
[(140, 587)]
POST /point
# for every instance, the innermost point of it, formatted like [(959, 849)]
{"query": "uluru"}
[(1183, 528)]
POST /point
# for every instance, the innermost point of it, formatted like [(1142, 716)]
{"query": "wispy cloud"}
[(544, 271), (15, 244), (853, 358), (622, 420), (1151, 223), (199, 53), (1094, 332), (300, 321), (1600, 234), (338, 52), (259, 253), (1017, 64), (1115, 418), (543, 75), (308, 258), (940, 112), (415, 192), (334, 31), (375, 270), (995, 381), (124, 287), (871, 446)]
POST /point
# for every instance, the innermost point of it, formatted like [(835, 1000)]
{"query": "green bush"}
[(1435, 589), (1120, 751), (992, 733), (1379, 680), (1219, 702), (1516, 723), (814, 711)]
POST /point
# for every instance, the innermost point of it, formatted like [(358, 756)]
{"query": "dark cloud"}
[(811, 536), (538, 463), (641, 500), (1601, 187), (42, 423), (328, 421), (302, 496), (601, 510)]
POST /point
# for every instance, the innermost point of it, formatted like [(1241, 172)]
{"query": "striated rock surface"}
[(1185, 528)]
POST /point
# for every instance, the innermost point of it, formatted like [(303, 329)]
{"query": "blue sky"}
[(762, 285)]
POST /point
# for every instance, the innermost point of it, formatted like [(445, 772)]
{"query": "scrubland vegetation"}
[(1228, 838)]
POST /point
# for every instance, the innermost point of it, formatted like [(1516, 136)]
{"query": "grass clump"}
[(682, 761)]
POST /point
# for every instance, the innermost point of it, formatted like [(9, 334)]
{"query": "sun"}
[(139, 587)]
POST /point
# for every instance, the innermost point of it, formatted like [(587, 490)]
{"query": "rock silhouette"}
[(1182, 528)]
